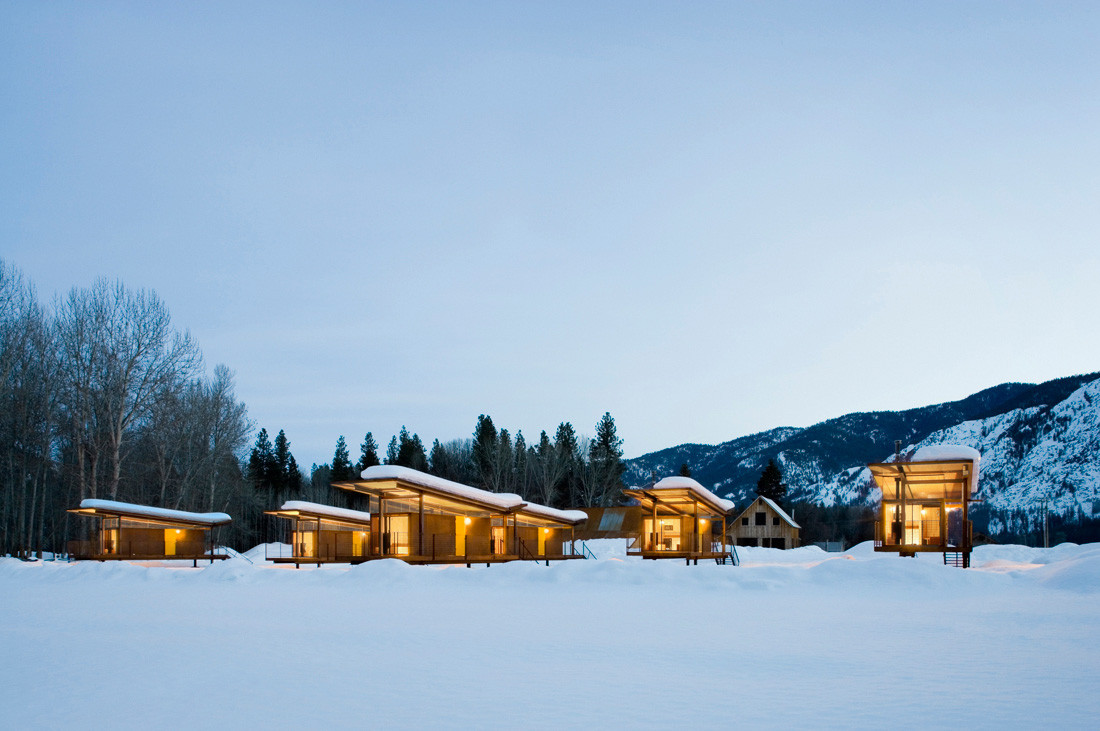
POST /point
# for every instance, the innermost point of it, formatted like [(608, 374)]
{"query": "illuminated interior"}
[(677, 522), (924, 506), (442, 522), (128, 531)]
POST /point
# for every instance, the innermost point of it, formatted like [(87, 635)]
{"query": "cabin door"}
[(498, 540)]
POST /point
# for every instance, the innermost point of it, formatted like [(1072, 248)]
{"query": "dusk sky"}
[(709, 219)]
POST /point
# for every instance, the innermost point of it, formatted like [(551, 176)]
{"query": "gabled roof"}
[(503, 502), (92, 506), (774, 506), (680, 490)]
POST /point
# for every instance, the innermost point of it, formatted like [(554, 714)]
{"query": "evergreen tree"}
[(293, 478), (260, 462), (543, 464), (391, 451), (341, 464), (605, 454), (368, 453), (519, 467), (438, 462), (503, 463), (770, 484), (410, 451), (685, 471), (485, 453), (281, 478), (565, 467)]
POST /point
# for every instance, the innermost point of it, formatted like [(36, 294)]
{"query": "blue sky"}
[(706, 218)]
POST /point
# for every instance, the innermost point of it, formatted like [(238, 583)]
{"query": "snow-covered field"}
[(796, 638)]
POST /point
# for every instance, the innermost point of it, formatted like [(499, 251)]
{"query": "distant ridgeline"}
[(1037, 441)]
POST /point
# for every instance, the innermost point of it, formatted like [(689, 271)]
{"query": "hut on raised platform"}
[(764, 524), (322, 534), (679, 518), (925, 502), (125, 531), (421, 518)]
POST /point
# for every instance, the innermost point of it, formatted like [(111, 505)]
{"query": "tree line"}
[(103, 398), (564, 471)]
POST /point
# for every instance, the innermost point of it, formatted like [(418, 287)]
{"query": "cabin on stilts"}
[(125, 531), (764, 524), (926, 501), (321, 534), (424, 519), (679, 518)]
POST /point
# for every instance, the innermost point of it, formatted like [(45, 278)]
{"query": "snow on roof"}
[(945, 453), (357, 516), (686, 483), (564, 516), (948, 453), (502, 500), (148, 511), (782, 513)]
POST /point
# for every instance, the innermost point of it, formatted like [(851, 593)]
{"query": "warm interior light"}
[(468, 521), (703, 521), (177, 531), (546, 531)]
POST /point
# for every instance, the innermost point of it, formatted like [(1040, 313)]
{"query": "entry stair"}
[(730, 559), (959, 559)]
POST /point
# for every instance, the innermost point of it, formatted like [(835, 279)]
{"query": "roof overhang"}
[(396, 488), (675, 501)]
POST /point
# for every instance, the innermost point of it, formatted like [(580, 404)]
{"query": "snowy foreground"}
[(789, 639)]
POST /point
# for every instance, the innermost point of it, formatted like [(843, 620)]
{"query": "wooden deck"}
[(421, 560), (688, 556)]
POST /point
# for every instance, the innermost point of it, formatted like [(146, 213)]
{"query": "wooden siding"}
[(762, 535)]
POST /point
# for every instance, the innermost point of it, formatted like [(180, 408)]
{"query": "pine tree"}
[(485, 452), (341, 464), (281, 476), (259, 462), (391, 451), (438, 462), (605, 453), (770, 484), (519, 467), (685, 471), (503, 463), (566, 459), (410, 452), (293, 477), (542, 463), (368, 453)]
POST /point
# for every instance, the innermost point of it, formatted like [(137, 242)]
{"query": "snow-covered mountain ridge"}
[(1037, 441)]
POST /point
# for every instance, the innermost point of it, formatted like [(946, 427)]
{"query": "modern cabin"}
[(322, 534), (125, 531), (679, 518), (764, 524), (421, 518), (925, 502)]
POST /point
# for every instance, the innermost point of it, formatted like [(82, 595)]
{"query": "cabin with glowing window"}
[(764, 524), (925, 502), (125, 531), (421, 518), (680, 519), (322, 534)]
